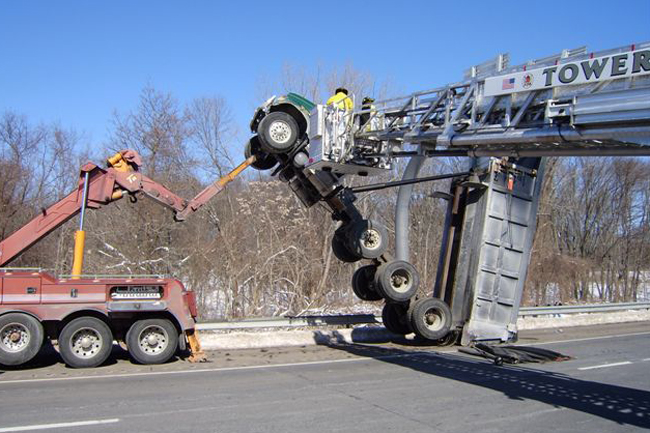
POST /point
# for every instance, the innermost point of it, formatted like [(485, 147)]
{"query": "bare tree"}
[(211, 128)]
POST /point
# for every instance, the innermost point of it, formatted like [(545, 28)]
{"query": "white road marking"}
[(212, 370), (604, 337), (646, 359), (59, 425), (293, 364), (613, 364)]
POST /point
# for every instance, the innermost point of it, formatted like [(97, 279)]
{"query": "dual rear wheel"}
[(87, 342), (152, 341), (395, 281), (362, 239), (428, 318)]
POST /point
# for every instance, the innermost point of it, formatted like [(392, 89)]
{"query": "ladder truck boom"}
[(505, 119)]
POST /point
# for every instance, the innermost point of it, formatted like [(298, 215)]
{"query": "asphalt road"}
[(348, 388)]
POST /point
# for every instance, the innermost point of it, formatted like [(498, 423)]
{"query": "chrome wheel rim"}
[(153, 340), (14, 337), (280, 132), (86, 343)]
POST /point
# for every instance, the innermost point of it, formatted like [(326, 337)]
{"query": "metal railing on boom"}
[(570, 103)]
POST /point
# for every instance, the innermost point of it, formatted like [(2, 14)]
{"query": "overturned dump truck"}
[(505, 120), (84, 314)]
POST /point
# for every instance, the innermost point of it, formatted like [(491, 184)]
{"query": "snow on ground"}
[(582, 319)]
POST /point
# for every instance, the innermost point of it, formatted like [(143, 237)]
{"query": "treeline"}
[(593, 236), (256, 251)]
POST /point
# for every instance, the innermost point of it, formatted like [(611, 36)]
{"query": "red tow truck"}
[(84, 315)]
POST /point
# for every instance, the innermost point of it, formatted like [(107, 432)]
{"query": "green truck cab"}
[(279, 125)]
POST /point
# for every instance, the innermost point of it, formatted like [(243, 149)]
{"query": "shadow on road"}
[(616, 403), (48, 356)]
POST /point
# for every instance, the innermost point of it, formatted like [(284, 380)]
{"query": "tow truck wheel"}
[(395, 318), (152, 341), (85, 342), (397, 281), (21, 337), (363, 283), (340, 246), (278, 132), (264, 161), (368, 239), (430, 318)]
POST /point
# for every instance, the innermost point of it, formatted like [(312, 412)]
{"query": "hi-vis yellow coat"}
[(341, 101)]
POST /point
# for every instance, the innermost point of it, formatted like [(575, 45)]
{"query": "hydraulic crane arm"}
[(103, 187)]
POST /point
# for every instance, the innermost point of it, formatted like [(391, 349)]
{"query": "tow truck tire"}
[(278, 132), (430, 318), (363, 283), (86, 342), (152, 341), (340, 246), (21, 337), (264, 161), (368, 239), (397, 281), (396, 318)]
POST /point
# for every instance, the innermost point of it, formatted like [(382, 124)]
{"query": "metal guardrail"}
[(581, 309), (364, 319), (293, 322)]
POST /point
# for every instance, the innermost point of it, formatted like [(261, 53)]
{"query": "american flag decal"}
[(508, 83)]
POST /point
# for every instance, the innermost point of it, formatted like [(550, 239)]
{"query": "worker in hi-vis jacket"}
[(341, 100)]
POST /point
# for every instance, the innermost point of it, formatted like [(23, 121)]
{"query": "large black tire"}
[(450, 339), (368, 239), (396, 318), (21, 337), (152, 341), (430, 318), (85, 342), (340, 246), (363, 283), (263, 160), (278, 132), (397, 281)]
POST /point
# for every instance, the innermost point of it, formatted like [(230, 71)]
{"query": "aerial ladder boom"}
[(100, 186), (573, 103), (506, 119)]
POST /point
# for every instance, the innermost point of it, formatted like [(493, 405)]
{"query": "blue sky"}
[(75, 62)]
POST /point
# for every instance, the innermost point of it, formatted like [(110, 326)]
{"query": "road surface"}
[(348, 388)]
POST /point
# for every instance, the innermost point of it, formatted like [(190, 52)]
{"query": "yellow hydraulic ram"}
[(80, 235)]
